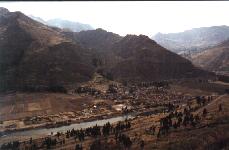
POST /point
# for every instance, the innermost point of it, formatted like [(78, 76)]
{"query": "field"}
[(150, 104)]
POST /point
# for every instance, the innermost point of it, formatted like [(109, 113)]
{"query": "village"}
[(133, 133), (155, 108), (113, 99)]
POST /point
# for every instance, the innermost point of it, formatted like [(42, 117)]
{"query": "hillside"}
[(193, 40), (214, 59), (48, 58), (35, 56), (142, 59), (133, 58), (98, 39)]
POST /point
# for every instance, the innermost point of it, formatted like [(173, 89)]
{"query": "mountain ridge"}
[(64, 24), (214, 59), (131, 53), (43, 57), (193, 40), (39, 55)]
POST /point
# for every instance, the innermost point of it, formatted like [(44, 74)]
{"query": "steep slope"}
[(35, 56), (100, 43), (98, 39), (144, 60), (133, 58), (193, 40), (214, 59)]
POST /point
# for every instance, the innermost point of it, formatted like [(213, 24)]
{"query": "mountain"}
[(36, 56), (214, 59), (98, 39), (133, 58), (38, 19), (142, 59), (193, 40), (65, 24)]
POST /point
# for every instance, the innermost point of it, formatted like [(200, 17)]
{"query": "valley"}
[(146, 102), (67, 86)]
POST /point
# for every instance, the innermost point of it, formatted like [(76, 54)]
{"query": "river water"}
[(47, 131)]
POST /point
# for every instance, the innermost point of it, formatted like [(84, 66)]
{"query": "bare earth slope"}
[(37, 56), (133, 58), (214, 59), (143, 59)]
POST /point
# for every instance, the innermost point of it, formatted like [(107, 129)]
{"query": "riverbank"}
[(35, 133), (91, 119), (51, 125)]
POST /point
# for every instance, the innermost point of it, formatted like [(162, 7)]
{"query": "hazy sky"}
[(147, 17)]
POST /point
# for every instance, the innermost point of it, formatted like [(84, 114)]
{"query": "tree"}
[(31, 140), (127, 142), (95, 62), (109, 76), (220, 107), (198, 100), (57, 88), (96, 145), (11, 145), (142, 144), (112, 88), (205, 112), (125, 83), (78, 147), (227, 91)]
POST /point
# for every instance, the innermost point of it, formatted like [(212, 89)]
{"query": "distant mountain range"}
[(36, 57), (214, 59), (64, 24), (193, 40)]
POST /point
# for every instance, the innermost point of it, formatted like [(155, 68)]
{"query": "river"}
[(34, 133)]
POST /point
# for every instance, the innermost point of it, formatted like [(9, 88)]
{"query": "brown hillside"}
[(133, 57), (36, 56), (144, 59), (214, 59)]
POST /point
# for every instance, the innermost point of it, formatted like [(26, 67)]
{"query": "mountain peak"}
[(100, 29), (138, 38), (3, 11), (40, 55)]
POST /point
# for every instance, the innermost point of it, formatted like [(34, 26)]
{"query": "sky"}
[(131, 17)]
